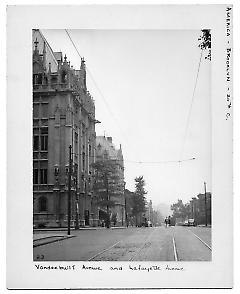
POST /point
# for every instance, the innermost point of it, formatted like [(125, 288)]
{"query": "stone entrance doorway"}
[(86, 217)]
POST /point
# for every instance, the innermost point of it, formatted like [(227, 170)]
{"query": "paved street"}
[(136, 244)]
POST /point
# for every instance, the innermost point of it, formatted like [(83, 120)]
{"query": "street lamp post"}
[(205, 202), (108, 198), (122, 215), (126, 216), (77, 206), (192, 209), (69, 189), (125, 203)]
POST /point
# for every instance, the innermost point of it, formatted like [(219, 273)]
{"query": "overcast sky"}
[(147, 80)]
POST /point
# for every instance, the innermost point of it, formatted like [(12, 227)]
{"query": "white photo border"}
[(21, 270)]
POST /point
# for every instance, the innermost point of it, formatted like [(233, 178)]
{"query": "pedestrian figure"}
[(169, 221), (166, 221)]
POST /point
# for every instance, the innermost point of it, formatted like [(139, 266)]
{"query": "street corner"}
[(43, 239)]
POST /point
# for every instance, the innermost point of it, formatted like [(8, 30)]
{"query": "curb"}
[(54, 236), (72, 229), (52, 241)]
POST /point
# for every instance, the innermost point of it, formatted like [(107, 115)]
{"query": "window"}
[(42, 203), (44, 131), (89, 150), (40, 78), (35, 110), (83, 161), (64, 77), (89, 157), (35, 77), (44, 143), (53, 79), (75, 171), (45, 80), (35, 143), (44, 139), (76, 137), (56, 171), (44, 110), (35, 176), (43, 176)]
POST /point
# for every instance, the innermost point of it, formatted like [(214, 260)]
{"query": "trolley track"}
[(141, 248), (175, 246), (97, 256), (130, 250), (209, 247), (175, 249), (105, 250)]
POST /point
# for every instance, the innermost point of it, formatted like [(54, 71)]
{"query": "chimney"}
[(109, 139)]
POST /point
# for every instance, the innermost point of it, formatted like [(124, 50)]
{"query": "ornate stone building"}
[(63, 115), (105, 150)]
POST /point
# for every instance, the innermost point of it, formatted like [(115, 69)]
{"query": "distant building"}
[(149, 211), (105, 150), (157, 218), (129, 206), (63, 115), (200, 208)]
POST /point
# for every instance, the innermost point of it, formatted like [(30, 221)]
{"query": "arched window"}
[(64, 77), (42, 203)]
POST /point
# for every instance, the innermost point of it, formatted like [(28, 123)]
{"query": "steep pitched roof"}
[(50, 57), (104, 144)]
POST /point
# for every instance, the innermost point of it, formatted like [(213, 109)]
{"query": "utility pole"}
[(192, 208), (69, 188), (205, 201)]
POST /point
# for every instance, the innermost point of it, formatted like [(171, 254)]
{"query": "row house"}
[(201, 209)]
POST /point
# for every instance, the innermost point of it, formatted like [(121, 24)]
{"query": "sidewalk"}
[(46, 236), (50, 235)]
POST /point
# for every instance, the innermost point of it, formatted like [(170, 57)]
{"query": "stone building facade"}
[(63, 115), (105, 150)]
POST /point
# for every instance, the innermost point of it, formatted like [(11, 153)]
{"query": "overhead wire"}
[(188, 120), (97, 87), (110, 111), (191, 106), (100, 92), (161, 162), (143, 162)]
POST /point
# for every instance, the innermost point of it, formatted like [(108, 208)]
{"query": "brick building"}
[(63, 115), (201, 209)]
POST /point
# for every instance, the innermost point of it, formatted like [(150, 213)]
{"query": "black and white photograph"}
[(119, 147), (122, 145)]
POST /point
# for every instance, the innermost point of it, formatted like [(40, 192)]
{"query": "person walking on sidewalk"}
[(166, 221), (169, 221)]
